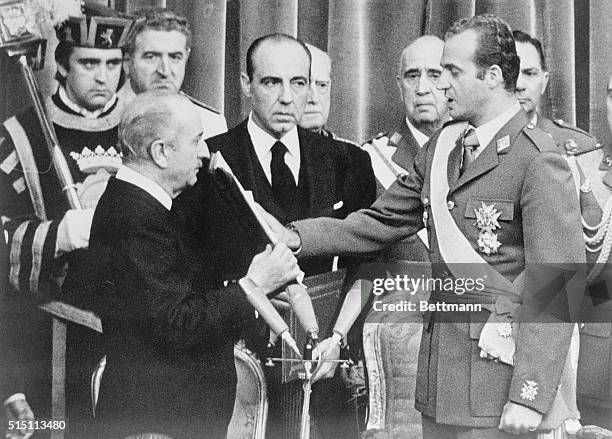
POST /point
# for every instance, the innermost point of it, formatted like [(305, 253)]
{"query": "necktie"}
[(470, 145), (283, 183)]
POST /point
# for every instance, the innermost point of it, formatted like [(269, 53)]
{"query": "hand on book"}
[(274, 268), (282, 233)]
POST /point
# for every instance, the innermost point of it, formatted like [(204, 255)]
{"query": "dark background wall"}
[(364, 39)]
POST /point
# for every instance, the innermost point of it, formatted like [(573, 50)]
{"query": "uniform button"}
[(582, 325), (450, 204), (425, 200)]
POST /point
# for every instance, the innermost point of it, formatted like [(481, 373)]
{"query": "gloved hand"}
[(18, 416), (73, 231)]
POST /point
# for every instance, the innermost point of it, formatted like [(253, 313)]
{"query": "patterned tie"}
[(283, 183), (470, 145)]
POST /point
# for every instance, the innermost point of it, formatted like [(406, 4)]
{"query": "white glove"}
[(19, 416), (73, 231)]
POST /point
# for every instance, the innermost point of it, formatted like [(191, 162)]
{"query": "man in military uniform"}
[(43, 232), (157, 51), (425, 110), (488, 164), (591, 170)]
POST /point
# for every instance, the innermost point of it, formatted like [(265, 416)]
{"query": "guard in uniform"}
[(44, 234), (591, 167), (393, 153), (166, 34)]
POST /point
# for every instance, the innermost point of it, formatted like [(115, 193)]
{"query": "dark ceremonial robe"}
[(594, 177), (25, 363), (169, 327), (516, 173)]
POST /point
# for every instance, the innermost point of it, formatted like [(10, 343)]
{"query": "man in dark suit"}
[(169, 328), (292, 172), (482, 187)]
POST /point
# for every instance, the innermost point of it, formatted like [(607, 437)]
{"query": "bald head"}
[(161, 137), (419, 71), (319, 99)]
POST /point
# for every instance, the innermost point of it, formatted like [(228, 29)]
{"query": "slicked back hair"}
[(151, 116), (157, 19), (523, 37), (278, 37), (495, 46)]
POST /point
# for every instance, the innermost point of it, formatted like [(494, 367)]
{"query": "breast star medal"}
[(486, 221)]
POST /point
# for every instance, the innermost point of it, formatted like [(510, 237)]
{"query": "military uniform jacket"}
[(406, 150), (594, 187), (454, 384)]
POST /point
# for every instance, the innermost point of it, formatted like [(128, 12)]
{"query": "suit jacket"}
[(169, 330), (454, 384), (335, 176)]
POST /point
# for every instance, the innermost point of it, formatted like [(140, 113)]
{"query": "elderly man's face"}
[(465, 93), (419, 74), (532, 80), (319, 98), (93, 76), (279, 87), (158, 61)]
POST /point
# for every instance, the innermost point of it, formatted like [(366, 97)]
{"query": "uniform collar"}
[(485, 133), (419, 136)]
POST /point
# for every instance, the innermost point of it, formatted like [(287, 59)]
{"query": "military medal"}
[(529, 390), (486, 221)]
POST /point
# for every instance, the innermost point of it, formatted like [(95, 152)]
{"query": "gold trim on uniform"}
[(9, 163), (15, 255), (37, 252)]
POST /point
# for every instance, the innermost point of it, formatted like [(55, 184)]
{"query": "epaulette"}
[(540, 138), (379, 135), (199, 103), (572, 140)]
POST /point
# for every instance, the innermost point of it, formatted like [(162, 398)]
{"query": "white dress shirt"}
[(129, 175), (485, 133), (263, 143)]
